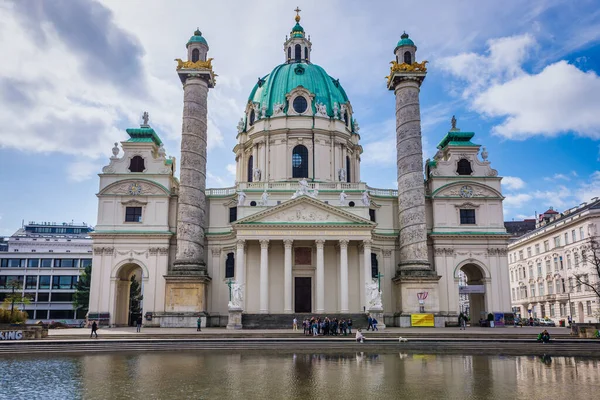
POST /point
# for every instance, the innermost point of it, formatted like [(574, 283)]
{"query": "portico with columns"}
[(327, 259)]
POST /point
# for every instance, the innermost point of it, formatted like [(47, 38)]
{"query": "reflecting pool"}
[(253, 375)]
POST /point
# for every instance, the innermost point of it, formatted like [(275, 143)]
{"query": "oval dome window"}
[(300, 104)]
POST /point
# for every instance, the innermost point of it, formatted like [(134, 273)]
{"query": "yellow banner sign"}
[(422, 320)]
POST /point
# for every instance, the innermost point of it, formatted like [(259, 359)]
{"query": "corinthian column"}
[(287, 276), (264, 276), (320, 276), (343, 275)]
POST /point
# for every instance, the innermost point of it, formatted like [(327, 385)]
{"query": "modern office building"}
[(544, 265), (46, 259)]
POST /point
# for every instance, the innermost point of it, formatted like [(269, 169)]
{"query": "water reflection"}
[(254, 375)]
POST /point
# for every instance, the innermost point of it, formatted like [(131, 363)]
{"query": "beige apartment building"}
[(544, 265)]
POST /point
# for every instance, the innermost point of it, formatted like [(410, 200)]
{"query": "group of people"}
[(316, 326), (372, 323)]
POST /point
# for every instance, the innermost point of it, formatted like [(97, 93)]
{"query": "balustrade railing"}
[(292, 186)]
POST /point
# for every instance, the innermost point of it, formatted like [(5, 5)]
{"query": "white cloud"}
[(513, 182), (231, 168), (516, 200), (559, 99), (590, 189), (82, 170)]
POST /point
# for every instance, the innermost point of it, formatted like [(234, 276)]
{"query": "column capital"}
[(264, 243), (387, 253), (320, 243), (240, 243), (287, 243), (216, 251), (344, 243)]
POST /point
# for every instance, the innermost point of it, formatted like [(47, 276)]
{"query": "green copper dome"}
[(272, 89), (405, 41), (197, 38)]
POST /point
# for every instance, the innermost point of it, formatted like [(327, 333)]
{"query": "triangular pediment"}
[(304, 210)]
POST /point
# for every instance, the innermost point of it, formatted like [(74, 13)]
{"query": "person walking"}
[(462, 321), (374, 322), (138, 324), (370, 321), (199, 324), (94, 330), (350, 326), (295, 324)]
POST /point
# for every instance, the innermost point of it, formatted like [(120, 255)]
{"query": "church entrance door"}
[(302, 295)]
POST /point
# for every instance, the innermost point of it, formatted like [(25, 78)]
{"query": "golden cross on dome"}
[(297, 14)]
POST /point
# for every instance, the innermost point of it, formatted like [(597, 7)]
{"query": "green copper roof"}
[(197, 38), (285, 77), (297, 31), (457, 138), (143, 135), (405, 41)]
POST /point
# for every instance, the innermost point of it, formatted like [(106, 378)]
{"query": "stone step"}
[(474, 347)]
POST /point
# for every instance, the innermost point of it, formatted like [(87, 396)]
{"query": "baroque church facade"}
[(300, 232)]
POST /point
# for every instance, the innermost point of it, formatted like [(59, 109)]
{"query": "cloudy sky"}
[(76, 73)]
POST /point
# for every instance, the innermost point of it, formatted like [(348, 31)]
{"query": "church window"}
[(250, 169), (300, 162), (374, 266), (298, 53), (133, 214), (346, 119), (467, 217), (464, 167), (289, 53), (306, 53), (229, 266), (300, 104), (252, 203), (232, 214), (347, 169), (252, 117), (137, 164), (195, 55), (351, 204), (407, 57), (372, 215)]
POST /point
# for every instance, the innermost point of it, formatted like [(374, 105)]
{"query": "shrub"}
[(16, 317)]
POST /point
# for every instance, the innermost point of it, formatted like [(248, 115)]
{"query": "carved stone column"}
[(411, 188), (264, 276), (287, 276), (187, 280), (192, 201), (320, 276), (344, 275)]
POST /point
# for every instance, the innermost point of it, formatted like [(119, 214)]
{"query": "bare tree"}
[(590, 257)]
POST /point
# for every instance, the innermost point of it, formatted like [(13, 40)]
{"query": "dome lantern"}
[(405, 50), (297, 47), (197, 47)]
